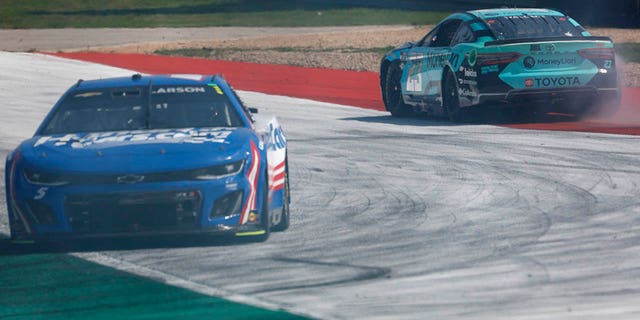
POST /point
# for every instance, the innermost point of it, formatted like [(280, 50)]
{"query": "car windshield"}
[(124, 109), (530, 26)]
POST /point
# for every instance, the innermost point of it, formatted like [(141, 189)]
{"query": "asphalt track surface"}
[(405, 218)]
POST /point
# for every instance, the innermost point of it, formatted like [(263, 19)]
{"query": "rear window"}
[(126, 109), (530, 26)]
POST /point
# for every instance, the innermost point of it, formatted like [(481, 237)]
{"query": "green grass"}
[(59, 286), (197, 13), (630, 52)]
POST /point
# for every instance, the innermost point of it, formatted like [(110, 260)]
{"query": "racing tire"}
[(284, 220), (393, 92), (451, 100)]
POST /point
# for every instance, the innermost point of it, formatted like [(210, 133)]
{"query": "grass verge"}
[(219, 53), (198, 13)]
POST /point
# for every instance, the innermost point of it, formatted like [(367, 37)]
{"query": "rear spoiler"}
[(534, 40)]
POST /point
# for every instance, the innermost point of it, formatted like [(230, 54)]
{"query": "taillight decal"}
[(486, 59), (597, 53)]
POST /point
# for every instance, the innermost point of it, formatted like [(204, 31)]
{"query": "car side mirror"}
[(253, 110)]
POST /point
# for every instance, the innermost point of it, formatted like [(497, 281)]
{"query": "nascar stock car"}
[(149, 155), (515, 59)]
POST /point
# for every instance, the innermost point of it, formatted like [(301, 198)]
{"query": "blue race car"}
[(149, 155), (519, 59)]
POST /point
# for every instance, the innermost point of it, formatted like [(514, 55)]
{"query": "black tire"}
[(451, 100), (393, 92), (284, 220)]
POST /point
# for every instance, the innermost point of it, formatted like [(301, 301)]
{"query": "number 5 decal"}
[(41, 193)]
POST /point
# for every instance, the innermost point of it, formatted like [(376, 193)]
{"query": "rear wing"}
[(546, 39)]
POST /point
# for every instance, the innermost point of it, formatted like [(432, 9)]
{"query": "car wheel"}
[(393, 92), (451, 101), (284, 220)]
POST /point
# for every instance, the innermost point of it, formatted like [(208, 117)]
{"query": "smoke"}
[(628, 111)]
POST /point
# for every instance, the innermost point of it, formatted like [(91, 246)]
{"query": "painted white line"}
[(173, 280)]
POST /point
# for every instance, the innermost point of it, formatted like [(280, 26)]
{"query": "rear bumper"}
[(580, 95)]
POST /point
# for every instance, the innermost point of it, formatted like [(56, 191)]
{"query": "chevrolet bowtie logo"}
[(130, 178)]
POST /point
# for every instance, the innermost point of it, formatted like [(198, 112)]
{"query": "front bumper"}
[(132, 210)]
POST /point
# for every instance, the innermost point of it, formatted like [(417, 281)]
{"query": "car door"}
[(422, 75)]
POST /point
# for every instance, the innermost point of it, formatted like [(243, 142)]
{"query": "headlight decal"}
[(17, 211), (44, 178), (219, 171), (252, 175)]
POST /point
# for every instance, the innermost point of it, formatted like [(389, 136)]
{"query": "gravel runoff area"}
[(348, 48)]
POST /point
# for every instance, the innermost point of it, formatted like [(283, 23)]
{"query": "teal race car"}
[(521, 60)]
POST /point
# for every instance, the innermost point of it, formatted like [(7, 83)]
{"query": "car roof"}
[(510, 12), (138, 80)]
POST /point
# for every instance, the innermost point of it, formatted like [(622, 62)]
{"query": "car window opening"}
[(169, 107)]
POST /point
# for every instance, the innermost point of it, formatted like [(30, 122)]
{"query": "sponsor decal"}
[(489, 69), (166, 136), (557, 82), (528, 83), (469, 73), (436, 60), (529, 62), (414, 81), (467, 82), (170, 90), (557, 62), (277, 139), (549, 47), (473, 57), (464, 92)]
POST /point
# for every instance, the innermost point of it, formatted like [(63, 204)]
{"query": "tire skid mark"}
[(364, 273)]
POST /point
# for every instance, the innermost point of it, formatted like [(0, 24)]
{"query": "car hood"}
[(137, 151)]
